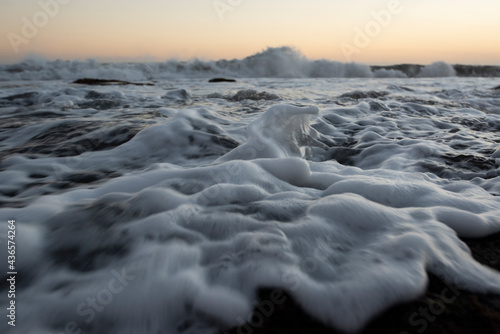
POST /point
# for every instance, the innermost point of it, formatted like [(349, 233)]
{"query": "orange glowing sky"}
[(423, 31)]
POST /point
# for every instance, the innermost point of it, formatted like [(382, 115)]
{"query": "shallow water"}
[(167, 206)]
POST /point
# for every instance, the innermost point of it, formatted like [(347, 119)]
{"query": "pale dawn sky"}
[(366, 31)]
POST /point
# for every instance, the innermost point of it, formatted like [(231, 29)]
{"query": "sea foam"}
[(193, 226)]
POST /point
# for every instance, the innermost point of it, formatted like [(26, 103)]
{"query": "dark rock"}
[(84, 177), (477, 71), (344, 155), (224, 141), (486, 250), (250, 94), (100, 104), (245, 94), (281, 314), (358, 94), (221, 80), (180, 95), (217, 96), (93, 95), (37, 176), (497, 87), (411, 70), (104, 82)]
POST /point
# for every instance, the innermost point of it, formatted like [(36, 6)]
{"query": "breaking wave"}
[(280, 62)]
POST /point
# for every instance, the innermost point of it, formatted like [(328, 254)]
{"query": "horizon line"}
[(153, 59)]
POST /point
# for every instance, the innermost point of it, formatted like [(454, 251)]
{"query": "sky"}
[(366, 31)]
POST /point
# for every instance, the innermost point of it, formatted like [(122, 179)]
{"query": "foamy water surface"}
[(168, 206)]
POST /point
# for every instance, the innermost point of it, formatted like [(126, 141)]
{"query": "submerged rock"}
[(102, 82), (250, 94), (246, 94), (100, 104), (358, 94), (177, 95), (217, 96), (221, 80)]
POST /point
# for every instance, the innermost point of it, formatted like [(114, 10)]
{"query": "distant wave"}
[(281, 62)]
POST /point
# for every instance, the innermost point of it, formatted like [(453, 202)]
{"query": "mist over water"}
[(282, 62)]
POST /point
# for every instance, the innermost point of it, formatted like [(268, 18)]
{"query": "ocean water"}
[(162, 209), (280, 62)]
